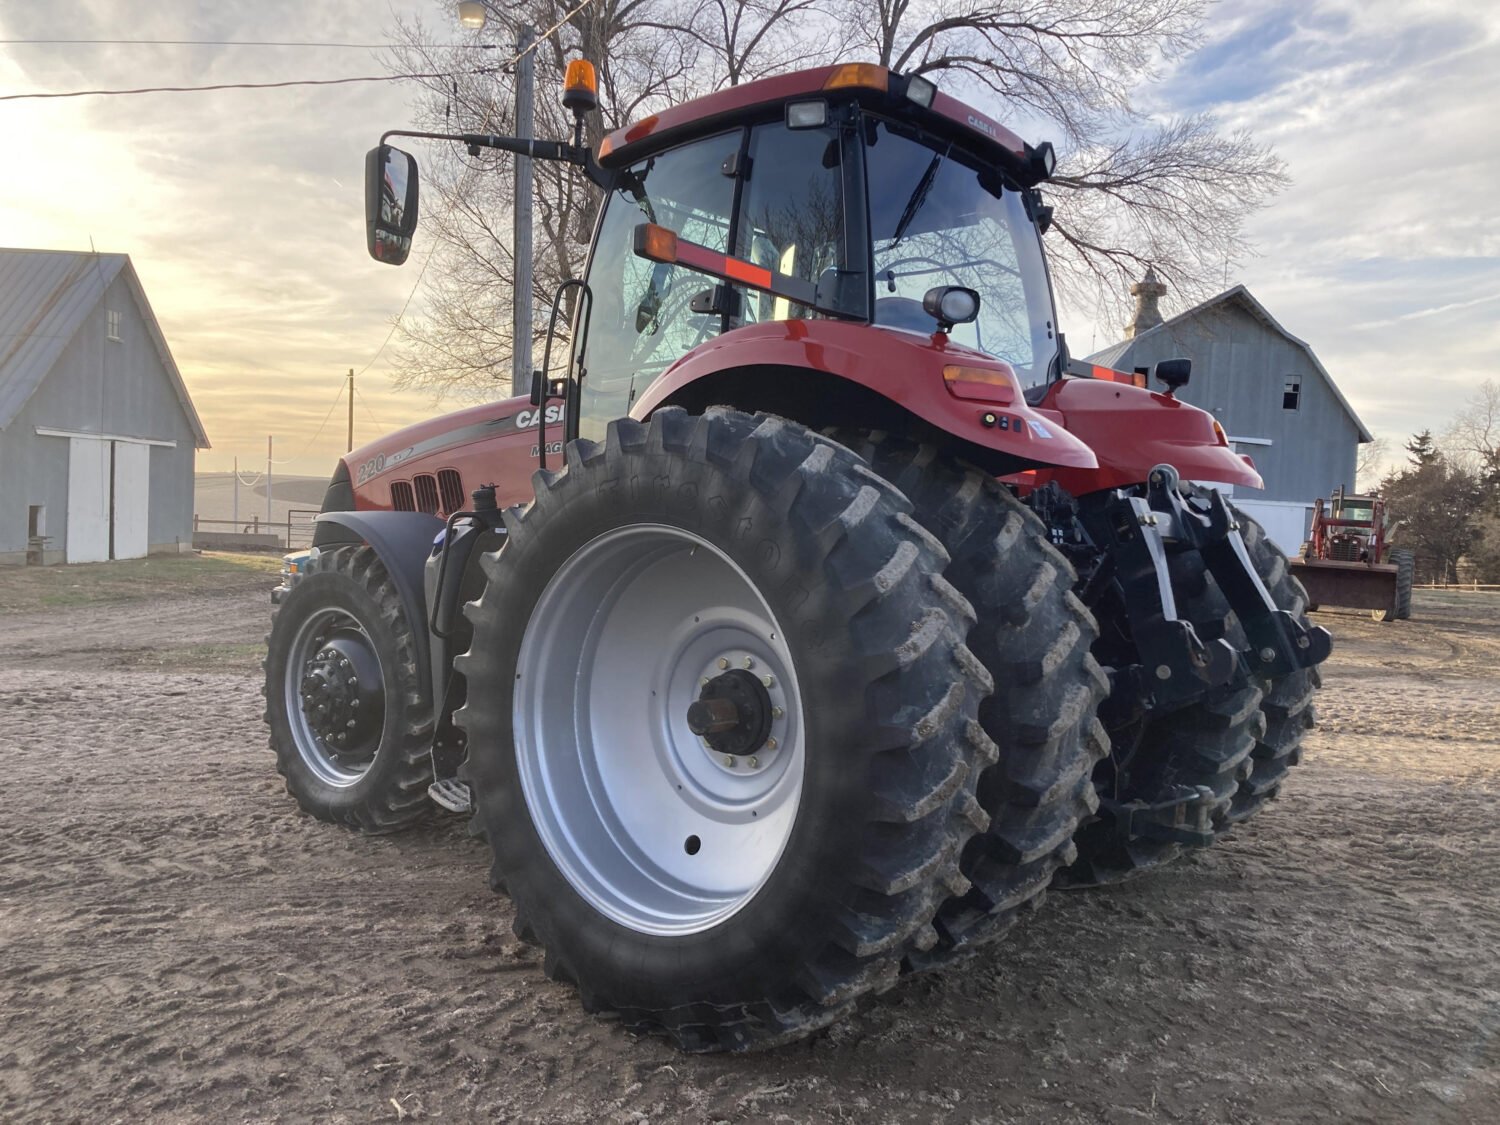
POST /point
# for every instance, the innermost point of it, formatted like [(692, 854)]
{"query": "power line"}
[(233, 86), (318, 432), (365, 406), (228, 43)]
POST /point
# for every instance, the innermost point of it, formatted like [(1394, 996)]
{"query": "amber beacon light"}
[(580, 86)]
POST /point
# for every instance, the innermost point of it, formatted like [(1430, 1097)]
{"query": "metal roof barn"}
[(97, 433)]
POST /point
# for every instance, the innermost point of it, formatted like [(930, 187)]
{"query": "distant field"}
[(213, 497)]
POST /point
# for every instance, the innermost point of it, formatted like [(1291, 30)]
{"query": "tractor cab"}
[(840, 194)]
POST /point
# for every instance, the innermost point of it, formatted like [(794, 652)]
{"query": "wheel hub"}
[(732, 714), (340, 696)]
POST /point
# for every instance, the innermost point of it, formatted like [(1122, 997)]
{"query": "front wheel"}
[(347, 710), (722, 727)]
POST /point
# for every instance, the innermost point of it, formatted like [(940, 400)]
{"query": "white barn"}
[(97, 433)]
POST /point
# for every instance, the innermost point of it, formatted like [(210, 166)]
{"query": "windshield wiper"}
[(918, 197)]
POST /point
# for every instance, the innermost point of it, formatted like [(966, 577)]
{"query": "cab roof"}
[(874, 85)]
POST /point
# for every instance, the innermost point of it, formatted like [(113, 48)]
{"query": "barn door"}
[(132, 490), (88, 500)]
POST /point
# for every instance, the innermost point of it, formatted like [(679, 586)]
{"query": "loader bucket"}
[(1355, 585)]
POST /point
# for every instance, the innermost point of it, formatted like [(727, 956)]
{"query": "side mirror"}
[(1174, 373), (390, 204)]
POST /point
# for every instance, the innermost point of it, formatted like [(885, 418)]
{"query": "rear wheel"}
[(722, 727), (348, 713), (1033, 635)]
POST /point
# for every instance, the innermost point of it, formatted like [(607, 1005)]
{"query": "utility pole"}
[(351, 411), (269, 521), (520, 370), (236, 493)]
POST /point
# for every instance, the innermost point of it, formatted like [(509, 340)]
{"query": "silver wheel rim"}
[(340, 632), (654, 829)]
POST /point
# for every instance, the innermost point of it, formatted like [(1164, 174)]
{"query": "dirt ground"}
[(178, 942)]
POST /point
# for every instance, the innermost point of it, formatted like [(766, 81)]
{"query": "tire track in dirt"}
[(178, 942)]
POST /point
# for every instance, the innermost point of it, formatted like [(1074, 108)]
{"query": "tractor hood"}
[(1131, 430)]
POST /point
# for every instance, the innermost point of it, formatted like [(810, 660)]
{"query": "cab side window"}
[(642, 319), (792, 214)]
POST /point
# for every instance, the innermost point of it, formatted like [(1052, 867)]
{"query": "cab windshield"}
[(936, 219)]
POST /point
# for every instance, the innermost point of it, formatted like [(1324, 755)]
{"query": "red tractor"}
[(810, 619), (1348, 561)]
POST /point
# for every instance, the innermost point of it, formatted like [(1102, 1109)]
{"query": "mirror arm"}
[(537, 150)]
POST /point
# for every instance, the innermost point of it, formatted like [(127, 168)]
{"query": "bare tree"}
[(1476, 433), (1129, 192), (1370, 466)]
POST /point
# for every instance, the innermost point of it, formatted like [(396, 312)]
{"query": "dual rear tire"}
[(740, 887)]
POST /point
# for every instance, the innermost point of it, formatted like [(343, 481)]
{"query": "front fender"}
[(402, 542), (1131, 430), (903, 367)]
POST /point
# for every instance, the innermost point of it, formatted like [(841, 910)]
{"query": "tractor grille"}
[(1345, 550), (401, 498), (451, 490), (426, 488)]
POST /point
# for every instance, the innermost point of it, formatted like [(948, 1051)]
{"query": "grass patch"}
[(24, 588), (198, 658)]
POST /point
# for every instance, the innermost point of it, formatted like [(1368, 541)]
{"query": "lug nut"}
[(723, 662), (729, 760), (350, 724), (754, 761), (1268, 654), (1163, 672), (768, 680), (770, 744), (777, 712), (749, 662)]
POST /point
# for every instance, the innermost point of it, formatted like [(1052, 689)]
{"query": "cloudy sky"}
[(242, 210)]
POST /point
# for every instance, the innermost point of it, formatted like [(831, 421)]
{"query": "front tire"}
[(350, 723), (737, 888)]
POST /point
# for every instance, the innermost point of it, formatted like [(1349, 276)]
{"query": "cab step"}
[(452, 794)]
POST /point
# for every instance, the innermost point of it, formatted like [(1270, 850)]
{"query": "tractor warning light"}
[(580, 86), (868, 75), (655, 243)]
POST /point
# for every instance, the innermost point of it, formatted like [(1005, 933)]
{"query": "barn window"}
[(112, 323), (1291, 393), (451, 490), (427, 493), (401, 497)]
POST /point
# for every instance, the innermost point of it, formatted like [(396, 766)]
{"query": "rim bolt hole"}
[(691, 845)]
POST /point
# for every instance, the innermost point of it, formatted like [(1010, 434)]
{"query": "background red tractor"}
[(843, 620), (1348, 559)]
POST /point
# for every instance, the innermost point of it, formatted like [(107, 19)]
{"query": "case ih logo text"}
[(528, 417)]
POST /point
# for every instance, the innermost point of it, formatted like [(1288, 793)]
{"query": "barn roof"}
[(45, 296), (1116, 355)]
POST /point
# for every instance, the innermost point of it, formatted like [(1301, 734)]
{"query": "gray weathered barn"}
[(97, 433), (1268, 390)]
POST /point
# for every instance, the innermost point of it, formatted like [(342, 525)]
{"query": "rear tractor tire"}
[(1034, 636), (348, 713), (722, 727)]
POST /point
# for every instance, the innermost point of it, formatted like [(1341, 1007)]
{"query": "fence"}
[(293, 532)]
